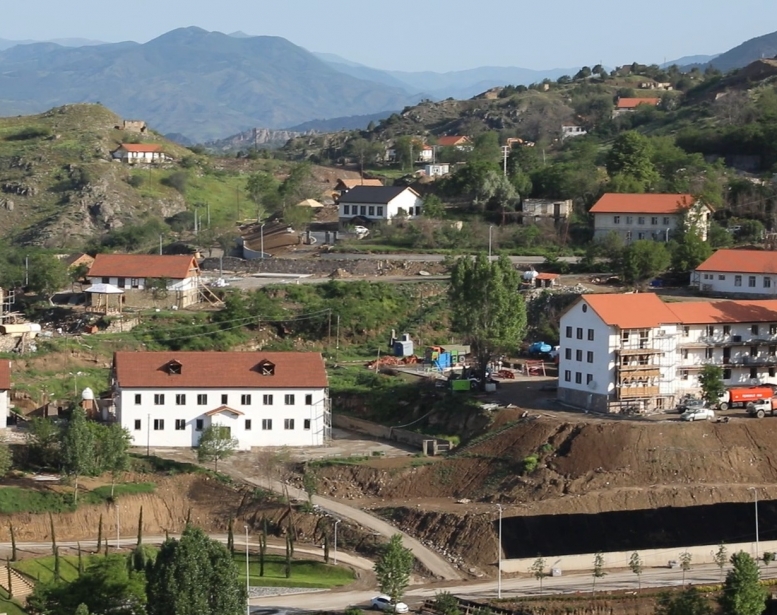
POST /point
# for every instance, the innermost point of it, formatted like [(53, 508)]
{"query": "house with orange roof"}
[(635, 353), (751, 273), (134, 153), (460, 142), (628, 105), (167, 399), (648, 216), (144, 280)]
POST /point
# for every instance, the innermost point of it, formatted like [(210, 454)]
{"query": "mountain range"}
[(205, 85)]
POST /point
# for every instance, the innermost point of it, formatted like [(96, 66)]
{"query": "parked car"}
[(761, 408), (688, 402), (361, 231), (383, 603), (699, 413)]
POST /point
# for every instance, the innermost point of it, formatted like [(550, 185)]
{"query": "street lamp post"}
[(248, 605), (336, 522), (118, 528), (489, 243), (261, 234), (755, 498), (499, 554)]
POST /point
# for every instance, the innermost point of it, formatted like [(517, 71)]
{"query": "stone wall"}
[(585, 400)]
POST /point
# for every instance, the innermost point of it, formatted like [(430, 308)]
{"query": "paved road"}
[(571, 584), (431, 258)]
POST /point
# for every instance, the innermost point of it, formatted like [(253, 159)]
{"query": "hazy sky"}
[(438, 35)]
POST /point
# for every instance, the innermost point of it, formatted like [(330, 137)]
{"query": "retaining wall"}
[(376, 430)]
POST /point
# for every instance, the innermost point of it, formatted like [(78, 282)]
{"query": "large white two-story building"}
[(633, 351), (648, 216), (379, 203), (166, 399), (5, 388), (738, 272)]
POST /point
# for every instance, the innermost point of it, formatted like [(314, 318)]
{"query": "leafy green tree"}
[(47, 274), (718, 236), (194, 576), (636, 565), (78, 448), (687, 602), (721, 555), (446, 603), (262, 189), (434, 207), (216, 444), (743, 593), (298, 186), (407, 150), (393, 568), (685, 563), (598, 569), (113, 451), (643, 260), (537, 570), (630, 156), (364, 151), (486, 308), (712, 388), (6, 458), (690, 252), (486, 148)]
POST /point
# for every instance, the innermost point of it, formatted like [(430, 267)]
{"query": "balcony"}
[(632, 351), (729, 340), (750, 361), (639, 371), (637, 392)]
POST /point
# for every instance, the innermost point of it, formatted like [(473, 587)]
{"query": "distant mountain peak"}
[(240, 34)]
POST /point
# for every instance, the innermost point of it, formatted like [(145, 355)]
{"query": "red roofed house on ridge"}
[(628, 105), (144, 280), (648, 216), (166, 399), (751, 273), (133, 153)]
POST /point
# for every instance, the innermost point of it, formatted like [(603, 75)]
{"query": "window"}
[(666, 220), (267, 400), (772, 351), (578, 355), (266, 424), (616, 219), (138, 397), (180, 399), (224, 399), (363, 209), (737, 280), (684, 374), (771, 372), (727, 374), (180, 424), (288, 399), (722, 278), (579, 333), (590, 335), (726, 329), (767, 282), (685, 353), (628, 236), (569, 331), (106, 280), (308, 400), (346, 210), (641, 220), (640, 235), (629, 219), (589, 378), (202, 399), (751, 281), (753, 351), (137, 424), (686, 331), (708, 353), (248, 424), (159, 399), (372, 210), (589, 357), (245, 399), (568, 354), (121, 282), (135, 282), (306, 424), (198, 424), (654, 221), (710, 330), (288, 423), (754, 329), (578, 378), (753, 372), (380, 210), (567, 376), (159, 424)]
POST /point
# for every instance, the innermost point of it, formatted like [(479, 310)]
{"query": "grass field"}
[(42, 568), (19, 500), (10, 607), (304, 573)]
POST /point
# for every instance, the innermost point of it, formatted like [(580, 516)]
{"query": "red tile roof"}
[(175, 267), (219, 370), (744, 261), (450, 141), (631, 311), (547, 276), (141, 147), (633, 103), (352, 183), (5, 375), (710, 312), (615, 203)]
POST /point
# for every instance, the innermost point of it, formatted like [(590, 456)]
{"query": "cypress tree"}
[(231, 536), (288, 555), (326, 547), (13, 542), (80, 561), (99, 534), (53, 536), (262, 546), (57, 573), (10, 577), (140, 527)]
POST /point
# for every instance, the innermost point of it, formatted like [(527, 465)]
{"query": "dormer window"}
[(173, 368), (266, 368)]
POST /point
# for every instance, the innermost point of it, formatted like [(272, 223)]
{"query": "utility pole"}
[(329, 334), (237, 201), (505, 155), (26, 271), (160, 245), (499, 554)]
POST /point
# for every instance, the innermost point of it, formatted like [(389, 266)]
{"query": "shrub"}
[(177, 180), (136, 181), (31, 132), (530, 464)]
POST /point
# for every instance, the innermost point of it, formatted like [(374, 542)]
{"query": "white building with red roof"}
[(621, 352), (133, 153), (648, 216), (738, 272), (5, 388), (145, 280), (167, 399)]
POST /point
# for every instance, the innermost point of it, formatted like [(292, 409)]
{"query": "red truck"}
[(733, 398)]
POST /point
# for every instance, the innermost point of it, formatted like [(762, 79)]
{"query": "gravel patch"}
[(260, 592)]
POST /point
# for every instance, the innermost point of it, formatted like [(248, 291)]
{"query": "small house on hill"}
[(133, 153), (343, 185), (73, 261), (144, 280), (457, 141), (628, 105), (373, 204)]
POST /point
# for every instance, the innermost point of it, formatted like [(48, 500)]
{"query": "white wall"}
[(5, 408), (582, 317), (629, 223), (128, 412), (185, 284), (759, 284), (407, 201)]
